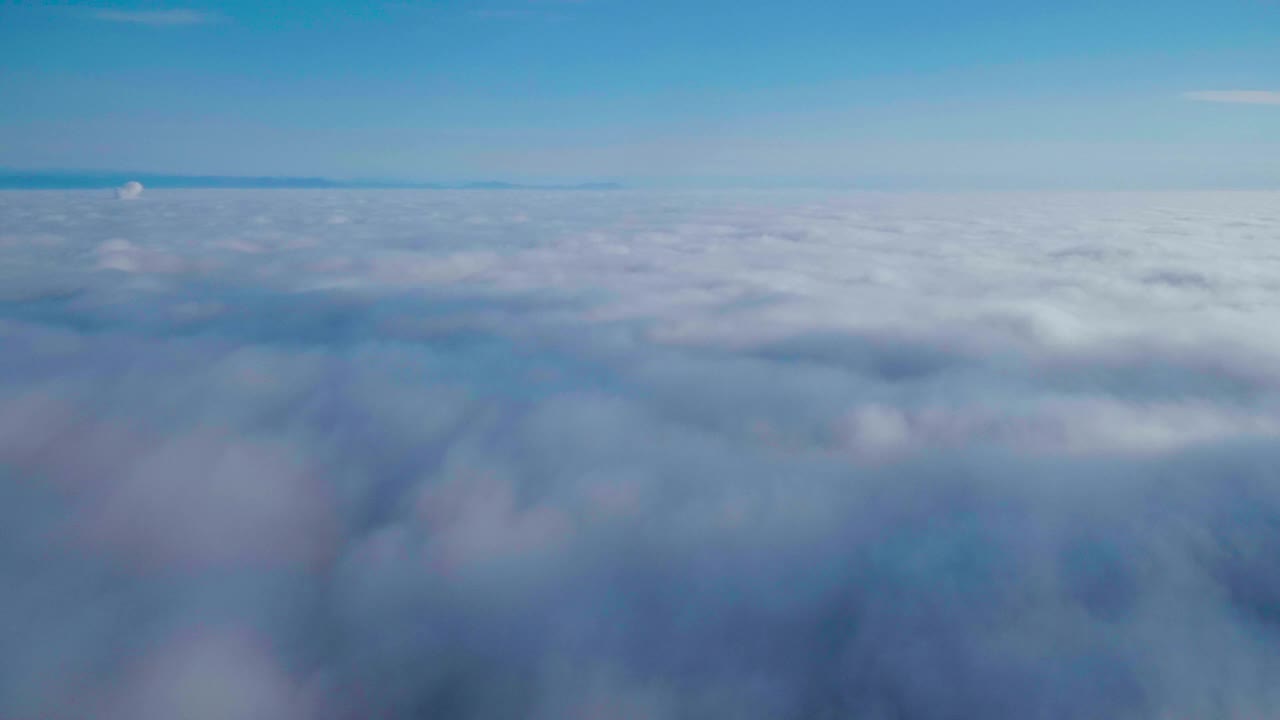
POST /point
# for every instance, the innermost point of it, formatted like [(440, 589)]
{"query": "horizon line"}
[(62, 179)]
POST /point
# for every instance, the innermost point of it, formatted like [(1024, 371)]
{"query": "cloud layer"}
[(572, 455)]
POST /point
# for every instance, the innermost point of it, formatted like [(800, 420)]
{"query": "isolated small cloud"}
[(1241, 97), (131, 190), (156, 18)]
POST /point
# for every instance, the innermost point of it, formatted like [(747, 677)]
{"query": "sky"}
[(984, 93)]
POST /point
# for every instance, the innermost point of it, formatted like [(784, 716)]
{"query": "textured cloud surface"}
[(344, 455)]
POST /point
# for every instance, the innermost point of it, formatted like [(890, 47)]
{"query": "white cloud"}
[(1244, 97), (633, 454), (157, 18)]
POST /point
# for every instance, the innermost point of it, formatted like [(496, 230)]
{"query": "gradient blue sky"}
[(916, 93)]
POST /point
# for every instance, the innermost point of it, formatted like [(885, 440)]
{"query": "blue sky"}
[(920, 93)]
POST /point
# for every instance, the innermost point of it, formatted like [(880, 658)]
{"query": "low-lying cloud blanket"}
[(412, 454)]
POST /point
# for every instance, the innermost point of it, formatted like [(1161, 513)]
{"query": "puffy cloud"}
[(638, 455)]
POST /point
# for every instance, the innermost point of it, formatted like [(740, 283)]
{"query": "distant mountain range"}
[(18, 180)]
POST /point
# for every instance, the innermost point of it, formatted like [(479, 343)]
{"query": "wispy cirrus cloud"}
[(157, 18), (506, 14), (1242, 97), (534, 10)]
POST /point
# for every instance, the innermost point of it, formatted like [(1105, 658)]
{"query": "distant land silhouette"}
[(70, 180)]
